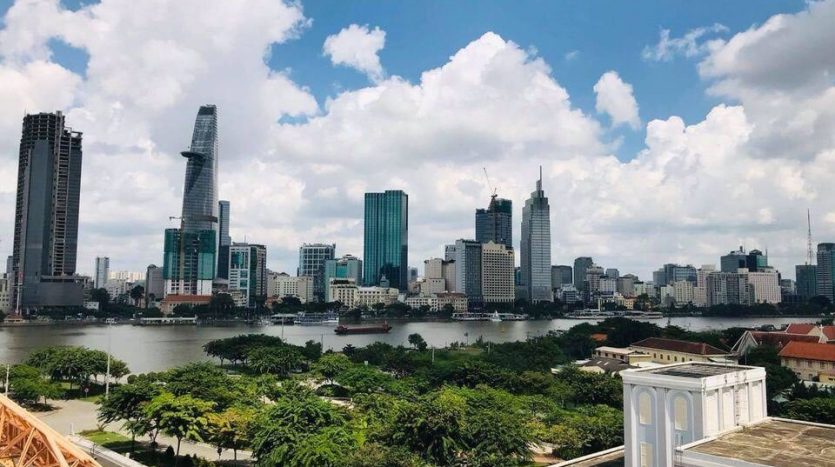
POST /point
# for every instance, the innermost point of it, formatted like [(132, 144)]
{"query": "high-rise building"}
[(754, 261), (46, 213), (224, 241), (670, 273), (591, 285), (826, 270), (536, 246), (439, 275), (806, 277), (386, 242), (190, 258), (9, 264), (495, 224), (102, 271), (612, 273), (347, 267), (765, 285), (728, 288), (282, 285), (154, 284), (497, 267), (247, 273), (312, 258), (580, 265), (468, 270), (560, 275)]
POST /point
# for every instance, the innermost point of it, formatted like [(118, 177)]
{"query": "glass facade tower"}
[(536, 246), (495, 224), (386, 242), (225, 240), (190, 257)]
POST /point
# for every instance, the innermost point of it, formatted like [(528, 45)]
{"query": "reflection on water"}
[(157, 348)]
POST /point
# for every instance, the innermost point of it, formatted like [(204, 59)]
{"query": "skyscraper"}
[(386, 242), (46, 213), (190, 259), (347, 267), (825, 272), (536, 246), (560, 275), (468, 270), (495, 224), (581, 264), (497, 267), (248, 273), (102, 271), (806, 275), (225, 240), (312, 258)]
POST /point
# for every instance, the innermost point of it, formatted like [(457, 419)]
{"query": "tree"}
[(275, 360), (182, 417), (818, 410), (127, 403), (231, 429), (286, 432), (136, 294), (417, 342), (331, 365), (221, 304), (102, 296), (28, 385)]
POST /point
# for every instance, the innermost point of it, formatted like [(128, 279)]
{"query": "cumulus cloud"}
[(615, 98), (695, 189), (691, 44), (357, 47)]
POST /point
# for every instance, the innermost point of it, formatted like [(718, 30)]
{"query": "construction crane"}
[(490, 187)]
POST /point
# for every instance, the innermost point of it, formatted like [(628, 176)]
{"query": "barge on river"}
[(343, 330)]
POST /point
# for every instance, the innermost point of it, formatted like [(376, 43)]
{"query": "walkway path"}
[(75, 416)]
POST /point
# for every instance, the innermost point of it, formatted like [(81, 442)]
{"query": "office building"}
[(312, 258), (9, 264), (190, 255), (561, 274), (46, 213), (449, 252), (413, 274), (753, 261), (806, 277), (386, 239), (282, 285), (536, 246), (130, 276), (468, 270), (580, 265), (102, 271), (347, 267), (670, 273), (224, 240), (591, 286), (625, 285), (765, 286), (154, 284), (728, 288), (495, 224), (437, 268), (612, 273), (826, 270), (497, 267), (248, 274)]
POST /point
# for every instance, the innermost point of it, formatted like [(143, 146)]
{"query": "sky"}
[(667, 131)]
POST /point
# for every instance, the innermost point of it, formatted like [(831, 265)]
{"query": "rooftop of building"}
[(617, 350), (187, 298), (774, 442), (806, 328), (695, 370), (780, 339), (609, 365), (673, 345), (809, 351)]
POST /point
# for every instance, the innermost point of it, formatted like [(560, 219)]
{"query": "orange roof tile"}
[(673, 345), (809, 351)]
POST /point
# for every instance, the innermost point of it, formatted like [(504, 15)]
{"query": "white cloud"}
[(615, 98), (690, 45), (695, 190), (572, 55), (357, 47)]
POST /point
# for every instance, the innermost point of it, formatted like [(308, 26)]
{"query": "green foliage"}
[(536, 354), (182, 417), (75, 364), (231, 429), (818, 410), (592, 388), (417, 341), (28, 385), (622, 332), (127, 403), (275, 360), (332, 365)]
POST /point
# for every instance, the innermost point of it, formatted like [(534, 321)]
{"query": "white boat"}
[(317, 319), (495, 317)]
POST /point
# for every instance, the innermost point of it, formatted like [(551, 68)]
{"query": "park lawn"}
[(108, 439)]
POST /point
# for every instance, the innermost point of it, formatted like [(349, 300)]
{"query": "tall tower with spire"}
[(190, 259), (536, 246)]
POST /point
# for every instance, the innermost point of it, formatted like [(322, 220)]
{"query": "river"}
[(154, 348)]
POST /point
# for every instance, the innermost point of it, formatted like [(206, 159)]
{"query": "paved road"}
[(75, 416)]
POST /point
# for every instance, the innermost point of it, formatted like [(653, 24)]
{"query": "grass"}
[(106, 438)]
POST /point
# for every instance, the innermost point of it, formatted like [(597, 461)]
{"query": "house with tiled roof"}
[(826, 333), (810, 361), (752, 339), (674, 351)]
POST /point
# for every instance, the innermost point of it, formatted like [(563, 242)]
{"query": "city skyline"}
[(636, 179)]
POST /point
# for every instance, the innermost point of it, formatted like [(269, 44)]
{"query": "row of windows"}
[(807, 363), (679, 411), (671, 358)]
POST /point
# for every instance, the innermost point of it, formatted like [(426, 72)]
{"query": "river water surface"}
[(154, 348)]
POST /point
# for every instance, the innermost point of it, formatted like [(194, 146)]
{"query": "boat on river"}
[(343, 330), (317, 319)]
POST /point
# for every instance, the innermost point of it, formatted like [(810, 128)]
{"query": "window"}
[(646, 455), (645, 408), (675, 359), (680, 408)]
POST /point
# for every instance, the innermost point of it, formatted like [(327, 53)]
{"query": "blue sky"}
[(606, 35)]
